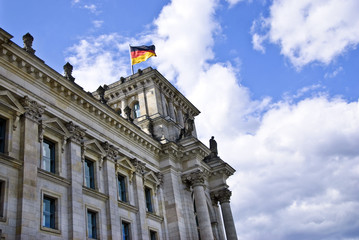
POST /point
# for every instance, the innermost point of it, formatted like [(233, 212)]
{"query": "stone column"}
[(76, 210), (219, 224), (28, 211), (224, 197), (140, 201), (196, 180)]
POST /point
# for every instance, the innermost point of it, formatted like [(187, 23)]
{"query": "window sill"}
[(127, 206), (50, 230), (53, 177), (154, 217), (94, 193)]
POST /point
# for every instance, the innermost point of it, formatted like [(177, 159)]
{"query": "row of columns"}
[(196, 180)]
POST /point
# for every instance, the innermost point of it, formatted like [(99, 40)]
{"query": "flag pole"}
[(130, 58)]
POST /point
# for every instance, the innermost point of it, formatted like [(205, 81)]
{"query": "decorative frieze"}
[(33, 110)]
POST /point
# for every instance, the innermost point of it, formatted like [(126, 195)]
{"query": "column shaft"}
[(228, 221), (202, 213)]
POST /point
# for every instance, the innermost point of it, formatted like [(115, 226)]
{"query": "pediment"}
[(152, 178), (126, 164), (8, 100), (95, 146), (56, 125)]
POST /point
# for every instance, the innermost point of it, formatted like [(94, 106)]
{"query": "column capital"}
[(140, 166), (222, 196), (111, 151), (33, 110), (193, 179), (76, 133)]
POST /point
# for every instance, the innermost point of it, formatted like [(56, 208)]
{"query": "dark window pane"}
[(89, 174), (2, 134), (122, 188), (125, 231), (148, 196), (91, 224)]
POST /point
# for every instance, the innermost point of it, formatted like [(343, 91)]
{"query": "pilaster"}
[(28, 204), (113, 218), (77, 221), (142, 231)]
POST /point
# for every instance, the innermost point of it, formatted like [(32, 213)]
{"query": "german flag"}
[(141, 53)]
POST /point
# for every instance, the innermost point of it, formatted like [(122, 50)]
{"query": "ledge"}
[(127, 206), (154, 217), (93, 193), (10, 161), (53, 177)]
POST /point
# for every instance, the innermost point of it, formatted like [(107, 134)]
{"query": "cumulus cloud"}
[(298, 172), (310, 30), (99, 60), (97, 23)]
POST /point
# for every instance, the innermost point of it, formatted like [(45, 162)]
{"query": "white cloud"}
[(92, 8), (311, 30), (99, 60), (297, 173), (97, 23)]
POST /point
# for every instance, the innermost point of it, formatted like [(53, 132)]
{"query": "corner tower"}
[(148, 100)]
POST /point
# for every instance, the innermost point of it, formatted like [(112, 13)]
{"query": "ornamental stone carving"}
[(68, 72), (223, 195), (33, 110), (159, 176), (28, 39), (139, 166), (193, 179), (76, 133), (111, 151)]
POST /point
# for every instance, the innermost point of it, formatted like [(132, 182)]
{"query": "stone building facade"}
[(120, 163)]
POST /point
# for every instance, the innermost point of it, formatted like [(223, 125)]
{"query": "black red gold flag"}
[(141, 53)]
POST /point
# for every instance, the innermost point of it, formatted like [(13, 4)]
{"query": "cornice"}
[(32, 69)]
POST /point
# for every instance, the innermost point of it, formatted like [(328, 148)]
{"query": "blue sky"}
[(276, 82)]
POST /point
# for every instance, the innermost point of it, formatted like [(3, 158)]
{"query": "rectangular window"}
[(48, 156), (89, 174), (91, 224), (2, 135), (125, 231), (148, 196), (2, 198), (122, 188), (153, 235), (48, 212)]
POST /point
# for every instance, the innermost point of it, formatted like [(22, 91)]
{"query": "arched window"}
[(136, 110)]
